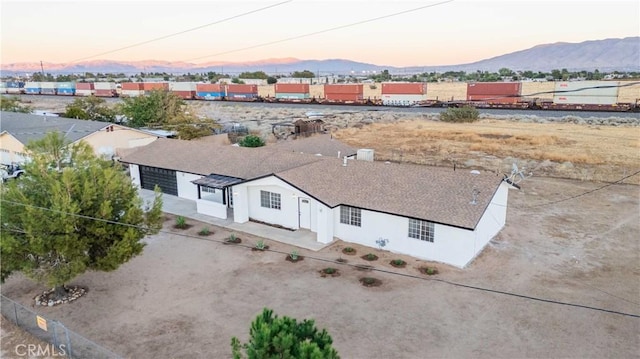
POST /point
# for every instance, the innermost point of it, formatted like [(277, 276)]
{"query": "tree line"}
[(382, 76)]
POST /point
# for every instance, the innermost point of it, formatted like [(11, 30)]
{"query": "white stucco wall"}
[(212, 197), (134, 172), (451, 245), (212, 209), (246, 203), (186, 189)]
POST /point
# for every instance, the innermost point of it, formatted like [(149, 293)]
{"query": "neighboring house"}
[(431, 213), (18, 129)]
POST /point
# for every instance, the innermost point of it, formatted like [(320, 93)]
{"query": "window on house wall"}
[(421, 230), (204, 189), (350, 216), (270, 199)]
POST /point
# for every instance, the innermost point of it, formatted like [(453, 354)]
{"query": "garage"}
[(165, 179)]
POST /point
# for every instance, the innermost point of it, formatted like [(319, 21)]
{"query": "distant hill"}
[(604, 55)]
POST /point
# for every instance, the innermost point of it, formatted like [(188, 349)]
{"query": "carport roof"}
[(217, 181)]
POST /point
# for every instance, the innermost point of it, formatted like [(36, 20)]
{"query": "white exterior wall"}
[(186, 189), (246, 204), (324, 223), (451, 245), (134, 172), (210, 208)]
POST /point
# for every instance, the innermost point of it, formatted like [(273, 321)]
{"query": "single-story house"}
[(18, 129), (431, 213)]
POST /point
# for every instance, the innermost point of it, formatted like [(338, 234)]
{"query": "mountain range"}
[(622, 54)]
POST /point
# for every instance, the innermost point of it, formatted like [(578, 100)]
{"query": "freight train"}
[(567, 96)]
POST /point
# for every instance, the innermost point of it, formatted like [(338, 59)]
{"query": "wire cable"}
[(585, 193), (182, 32), (357, 266), (321, 31)]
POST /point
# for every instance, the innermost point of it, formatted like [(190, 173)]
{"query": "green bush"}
[(251, 141), (294, 255), (260, 245), (462, 114), (204, 231), (181, 222)]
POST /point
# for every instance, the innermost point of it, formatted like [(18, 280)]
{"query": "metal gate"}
[(165, 179)]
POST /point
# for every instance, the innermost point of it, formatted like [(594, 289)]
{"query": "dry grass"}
[(565, 150)]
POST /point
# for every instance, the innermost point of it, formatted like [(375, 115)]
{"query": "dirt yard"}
[(186, 296)]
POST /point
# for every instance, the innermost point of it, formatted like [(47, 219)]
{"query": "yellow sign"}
[(42, 323)]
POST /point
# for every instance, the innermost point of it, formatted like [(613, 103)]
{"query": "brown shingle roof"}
[(206, 158), (435, 194), (320, 143)]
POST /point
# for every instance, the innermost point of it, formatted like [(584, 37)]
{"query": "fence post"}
[(66, 333), (55, 333), (15, 313)]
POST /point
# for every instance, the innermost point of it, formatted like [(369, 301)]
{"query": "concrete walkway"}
[(302, 238)]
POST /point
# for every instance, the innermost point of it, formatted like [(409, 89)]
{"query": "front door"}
[(304, 212)]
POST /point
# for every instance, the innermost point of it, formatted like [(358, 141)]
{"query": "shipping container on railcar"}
[(48, 88), (105, 89), (131, 89), (210, 92), (15, 87), (403, 93), (241, 92), (586, 92), (494, 92), (344, 93), (32, 88), (85, 88), (184, 90), (292, 91), (65, 88)]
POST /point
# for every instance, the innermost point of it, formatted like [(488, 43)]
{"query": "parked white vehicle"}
[(11, 171)]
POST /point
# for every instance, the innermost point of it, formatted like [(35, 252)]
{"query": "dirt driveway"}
[(187, 296)]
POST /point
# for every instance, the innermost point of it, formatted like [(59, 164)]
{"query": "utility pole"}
[(42, 70)]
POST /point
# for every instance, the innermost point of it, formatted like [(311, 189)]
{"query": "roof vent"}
[(344, 161)]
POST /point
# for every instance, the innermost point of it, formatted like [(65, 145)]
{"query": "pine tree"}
[(71, 212), (284, 338)]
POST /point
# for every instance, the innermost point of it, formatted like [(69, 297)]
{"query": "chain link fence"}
[(64, 342)]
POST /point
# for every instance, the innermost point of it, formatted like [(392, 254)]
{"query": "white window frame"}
[(422, 230), (351, 216), (270, 200)]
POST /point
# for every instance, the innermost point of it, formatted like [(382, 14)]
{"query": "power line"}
[(182, 32), (322, 31), (587, 192), (461, 285)]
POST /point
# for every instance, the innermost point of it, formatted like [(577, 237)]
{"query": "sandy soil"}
[(187, 296)]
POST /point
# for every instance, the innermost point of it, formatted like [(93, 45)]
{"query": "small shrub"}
[(294, 255), (429, 270), (260, 245), (370, 282), (370, 257), (251, 141), (349, 250), (233, 239), (181, 222), (204, 231), (329, 270), (462, 114), (398, 263)]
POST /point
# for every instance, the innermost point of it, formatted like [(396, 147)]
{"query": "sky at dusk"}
[(446, 33)]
